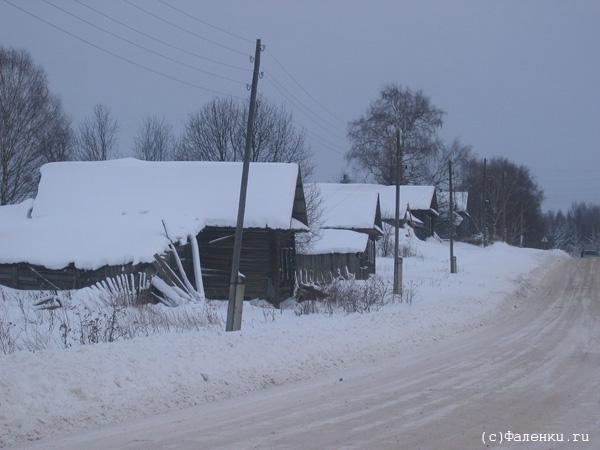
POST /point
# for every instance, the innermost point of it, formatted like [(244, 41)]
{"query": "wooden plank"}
[(167, 273)]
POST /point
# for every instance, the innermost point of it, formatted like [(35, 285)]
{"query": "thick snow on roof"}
[(418, 197), (347, 206), (338, 241), (111, 212)]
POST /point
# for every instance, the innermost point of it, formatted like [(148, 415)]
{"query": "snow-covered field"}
[(58, 390)]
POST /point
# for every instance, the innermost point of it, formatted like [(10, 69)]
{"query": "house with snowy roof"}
[(93, 220), (418, 205), (464, 225), (350, 223)]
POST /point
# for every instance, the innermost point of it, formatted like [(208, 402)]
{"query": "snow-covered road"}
[(531, 374)]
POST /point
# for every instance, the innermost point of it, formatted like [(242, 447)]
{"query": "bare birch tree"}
[(397, 111), (33, 128), (97, 136), (210, 133), (154, 141), (217, 132)]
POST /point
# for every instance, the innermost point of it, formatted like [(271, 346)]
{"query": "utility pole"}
[(521, 202), (484, 222), (503, 206), (451, 214), (397, 259), (236, 302)]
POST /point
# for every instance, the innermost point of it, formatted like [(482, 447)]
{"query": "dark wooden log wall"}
[(28, 276), (325, 266), (267, 261)]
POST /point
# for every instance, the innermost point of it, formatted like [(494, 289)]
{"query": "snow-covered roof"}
[(111, 212), (338, 241), (346, 206), (418, 197)]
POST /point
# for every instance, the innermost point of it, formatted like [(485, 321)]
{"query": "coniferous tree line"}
[(576, 230)]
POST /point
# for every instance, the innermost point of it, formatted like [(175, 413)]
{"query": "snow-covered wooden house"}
[(418, 205), (350, 223), (463, 222), (92, 220)]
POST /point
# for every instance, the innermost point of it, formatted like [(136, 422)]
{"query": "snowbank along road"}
[(527, 381)]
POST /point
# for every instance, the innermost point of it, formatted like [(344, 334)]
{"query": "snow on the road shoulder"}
[(55, 391)]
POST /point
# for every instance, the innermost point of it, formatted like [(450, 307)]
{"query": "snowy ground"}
[(54, 391)]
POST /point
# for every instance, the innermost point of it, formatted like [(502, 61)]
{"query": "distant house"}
[(92, 220), (463, 222), (418, 206), (350, 225)]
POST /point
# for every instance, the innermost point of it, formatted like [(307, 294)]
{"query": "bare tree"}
[(276, 139), (516, 203), (314, 213), (154, 141), (211, 134), (97, 136), (58, 139), (398, 112), (437, 170), (217, 132), (33, 128)]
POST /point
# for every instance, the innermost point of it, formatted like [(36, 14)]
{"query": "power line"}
[(310, 110), (206, 23), (141, 46), (319, 139), (323, 142), (122, 57), (301, 87), (186, 31), (275, 59), (272, 81), (245, 69)]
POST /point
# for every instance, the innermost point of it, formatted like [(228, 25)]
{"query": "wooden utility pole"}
[(484, 221), (235, 306), (451, 218), (397, 259), (521, 202), (503, 206)]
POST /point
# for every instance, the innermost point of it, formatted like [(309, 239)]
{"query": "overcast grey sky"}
[(519, 79)]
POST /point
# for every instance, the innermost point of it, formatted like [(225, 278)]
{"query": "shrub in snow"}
[(349, 296), (92, 316)]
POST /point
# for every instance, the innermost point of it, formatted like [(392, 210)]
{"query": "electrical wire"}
[(184, 30), (245, 69), (142, 47), (304, 90), (206, 23), (121, 57), (273, 79), (302, 111), (281, 88)]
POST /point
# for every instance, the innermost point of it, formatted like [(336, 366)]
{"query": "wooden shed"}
[(91, 220), (350, 225), (418, 205)]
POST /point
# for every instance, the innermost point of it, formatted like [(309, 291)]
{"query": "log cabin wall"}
[(32, 277), (325, 266), (267, 261)]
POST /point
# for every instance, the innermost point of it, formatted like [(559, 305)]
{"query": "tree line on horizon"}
[(396, 139)]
